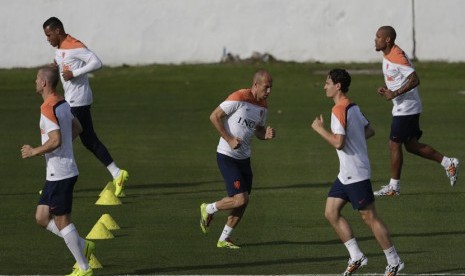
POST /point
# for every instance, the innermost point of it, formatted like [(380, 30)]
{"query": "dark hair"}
[(53, 23), (390, 32), (342, 77)]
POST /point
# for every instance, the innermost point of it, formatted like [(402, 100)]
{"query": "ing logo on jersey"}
[(246, 122), (237, 184), (63, 54)]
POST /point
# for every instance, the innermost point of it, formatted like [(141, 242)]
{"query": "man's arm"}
[(52, 143), (93, 63), (412, 81), (335, 140), (216, 118)]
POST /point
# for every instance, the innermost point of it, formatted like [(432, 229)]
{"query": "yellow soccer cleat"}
[(120, 181), (227, 244), (79, 272), (205, 218)]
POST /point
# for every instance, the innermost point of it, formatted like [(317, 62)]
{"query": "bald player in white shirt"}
[(402, 89), (58, 128), (74, 61), (240, 117)]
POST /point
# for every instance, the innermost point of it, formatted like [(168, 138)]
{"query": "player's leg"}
[(243, 184), (398, 135), (73, 241), (92, 143), (337, 199), (60, 208), (381, 233), (413, 146), (89, 137), (43, 216)]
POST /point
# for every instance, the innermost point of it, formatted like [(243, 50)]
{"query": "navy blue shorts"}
[(58, 195), (360, 194), (404, 128), (237, 174)]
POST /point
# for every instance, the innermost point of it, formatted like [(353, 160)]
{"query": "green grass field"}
[(154, 120)]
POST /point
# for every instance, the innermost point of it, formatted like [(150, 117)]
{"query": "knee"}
[(368, 217), (411, 147), (42, 220), (241, 200), (88, 141), (331, 215)]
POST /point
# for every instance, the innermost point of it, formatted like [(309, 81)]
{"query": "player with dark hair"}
[(349, 131), (74, 61)]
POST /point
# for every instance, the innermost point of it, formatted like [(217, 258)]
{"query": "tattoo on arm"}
[(412, 82)]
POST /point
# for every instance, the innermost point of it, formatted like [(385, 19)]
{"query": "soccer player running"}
[(58, 128), (349, 131), (237, 119), (74, 61), (402, 89)]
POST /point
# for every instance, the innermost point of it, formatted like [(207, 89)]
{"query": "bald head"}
[(260, 75), (389, 32), (50, 75), (262, 83)]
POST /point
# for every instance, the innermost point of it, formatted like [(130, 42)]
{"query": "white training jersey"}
[(244, 113), (73, 55), (396, 68), (55, 114), (348, 120)]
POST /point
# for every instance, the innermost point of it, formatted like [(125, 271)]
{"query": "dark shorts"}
[(404, 128), (237, 174), (360, 194), (58, 195)]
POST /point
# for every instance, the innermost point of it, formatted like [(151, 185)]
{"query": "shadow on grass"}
[(180, 188), (366, 238), (178, 269), (201, 268)]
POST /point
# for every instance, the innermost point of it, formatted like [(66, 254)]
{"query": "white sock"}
[(73, 241), (211, 208), (445, 162), (227, 231), (52, 227), (354, 251), (391, 256), (113, 169), (395, 183)]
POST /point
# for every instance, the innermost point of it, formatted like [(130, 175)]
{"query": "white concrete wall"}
[(196, 31)]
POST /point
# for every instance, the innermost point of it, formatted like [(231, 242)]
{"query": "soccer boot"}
[(227, 244), (79, 272), (205, 218), (387, 190), (355, 265), (392, 270), (120, 181), (453, 171)]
